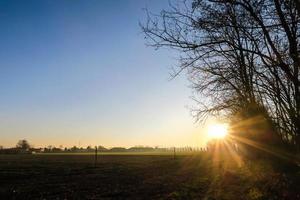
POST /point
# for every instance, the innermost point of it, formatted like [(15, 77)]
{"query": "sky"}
[(77, 72)]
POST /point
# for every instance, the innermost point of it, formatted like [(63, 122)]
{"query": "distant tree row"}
[(243, 60), (23, 147)]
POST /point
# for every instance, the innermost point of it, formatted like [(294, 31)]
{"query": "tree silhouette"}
[(23, 144), (241, 55)]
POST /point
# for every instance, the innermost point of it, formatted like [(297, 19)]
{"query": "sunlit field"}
[(197, 176)]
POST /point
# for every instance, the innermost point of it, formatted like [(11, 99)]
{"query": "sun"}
[(217, 131)]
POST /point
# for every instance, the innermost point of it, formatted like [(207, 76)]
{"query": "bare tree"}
[(23, 144), (242, 55)]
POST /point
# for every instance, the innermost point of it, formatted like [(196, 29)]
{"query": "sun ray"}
[(266, 148)]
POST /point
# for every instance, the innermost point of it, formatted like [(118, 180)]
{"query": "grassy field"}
[(150, 153), (195, 176)]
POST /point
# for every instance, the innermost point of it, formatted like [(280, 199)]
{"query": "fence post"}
[(174, 153), (96, 155)]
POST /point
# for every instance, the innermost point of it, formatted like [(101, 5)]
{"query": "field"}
[(124, 176)]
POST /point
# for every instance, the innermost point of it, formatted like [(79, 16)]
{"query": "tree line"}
[(24, 147), (242, 58)]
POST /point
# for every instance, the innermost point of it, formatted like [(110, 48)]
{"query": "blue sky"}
[(76, 70)]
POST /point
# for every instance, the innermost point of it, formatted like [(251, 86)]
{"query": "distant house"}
[(118, 149), (35, 150), (141, 149)]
